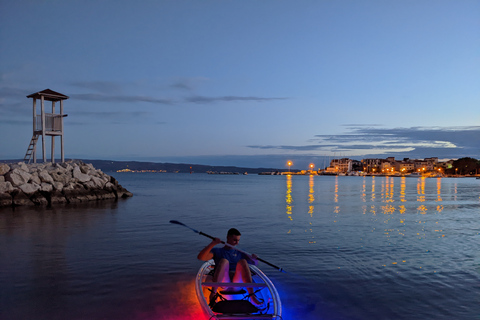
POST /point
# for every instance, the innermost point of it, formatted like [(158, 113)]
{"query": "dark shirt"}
[(232, 255)]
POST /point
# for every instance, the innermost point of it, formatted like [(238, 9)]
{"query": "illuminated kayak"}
[(235, 303)]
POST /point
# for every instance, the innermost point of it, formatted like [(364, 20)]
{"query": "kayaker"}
[(230, 265)]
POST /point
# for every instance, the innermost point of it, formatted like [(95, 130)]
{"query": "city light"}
[(289, 164)]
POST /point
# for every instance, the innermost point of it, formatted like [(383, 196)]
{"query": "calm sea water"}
[(353, 247)]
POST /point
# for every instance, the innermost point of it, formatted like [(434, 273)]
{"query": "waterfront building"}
[(343, 165)]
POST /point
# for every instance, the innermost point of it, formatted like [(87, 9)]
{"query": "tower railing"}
[(53, 122)]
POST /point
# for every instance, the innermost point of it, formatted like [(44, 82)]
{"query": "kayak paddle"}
[(228, 245)]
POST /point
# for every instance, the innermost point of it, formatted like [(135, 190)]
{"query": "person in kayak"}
[(230, 265)]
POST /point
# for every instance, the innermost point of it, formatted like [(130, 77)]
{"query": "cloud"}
[(111, 117), (120, 98), (203, 99), (14, 92), (420, 142), (100, 86), (292, 148), (188, 84), (11, 122)]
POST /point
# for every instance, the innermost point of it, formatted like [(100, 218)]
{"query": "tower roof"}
[(48, 95)]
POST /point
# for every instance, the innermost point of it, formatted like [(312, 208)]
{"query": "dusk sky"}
[(245, 83)]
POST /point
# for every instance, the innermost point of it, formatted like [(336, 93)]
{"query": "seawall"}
[(47, 184)]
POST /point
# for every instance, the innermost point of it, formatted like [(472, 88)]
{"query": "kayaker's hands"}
[(216, 241), (254, 258)]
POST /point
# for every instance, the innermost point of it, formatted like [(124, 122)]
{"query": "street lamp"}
[(312, 166), (289, 164)]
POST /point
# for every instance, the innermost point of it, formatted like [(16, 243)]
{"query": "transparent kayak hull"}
[(234, 303)]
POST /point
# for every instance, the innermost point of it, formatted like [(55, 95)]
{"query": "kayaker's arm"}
[(206, 253), (253, 259)]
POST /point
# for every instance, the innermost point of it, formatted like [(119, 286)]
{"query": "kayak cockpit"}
[(231, 300)]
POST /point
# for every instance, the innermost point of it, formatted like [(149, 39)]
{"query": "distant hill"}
[(113, 166)]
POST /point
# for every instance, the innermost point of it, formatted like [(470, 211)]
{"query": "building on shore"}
[(386, 166)]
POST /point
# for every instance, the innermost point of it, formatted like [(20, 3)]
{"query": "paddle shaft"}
[(233, 247), (213, 238)]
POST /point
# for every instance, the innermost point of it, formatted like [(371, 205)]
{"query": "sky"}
[(250, 83)]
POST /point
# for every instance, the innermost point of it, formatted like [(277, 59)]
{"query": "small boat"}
[(234, 303)]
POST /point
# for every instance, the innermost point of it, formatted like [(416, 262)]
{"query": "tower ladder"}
[(31, 148)]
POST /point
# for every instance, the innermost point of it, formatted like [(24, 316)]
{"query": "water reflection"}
[(40, 256), (336, 208), (288, 197), (311, 207), (393, 197)]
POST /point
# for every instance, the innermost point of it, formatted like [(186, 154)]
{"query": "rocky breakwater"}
[(46, 184)]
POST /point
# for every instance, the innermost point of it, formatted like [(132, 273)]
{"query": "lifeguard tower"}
[(46, 124)]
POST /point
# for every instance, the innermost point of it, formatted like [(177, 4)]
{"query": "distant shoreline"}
[(159, 167), (115, 166)]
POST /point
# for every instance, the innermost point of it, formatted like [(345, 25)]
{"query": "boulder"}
[(45, 177), (45, 184), (35, 178), (17, 177), (39, 199), (122, 192), (5, 199), (87, 168), (95, 183), (4, 168), (46, 187), (57, 185), (57, 197), (29, 188), (6, 186), (103, 194), (110, 187), (63, 177), (82, 177), (20, 198), (75, 193), (23, 166)]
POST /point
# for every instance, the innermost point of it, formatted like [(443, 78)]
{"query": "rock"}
[(45, 177), (17, 177), (46, 187), (57, 185), (39, 199), (29, 188), (4, 168), (82, 177), (123, 193), (62, 176), (57, 197), (20, 198), (23, 166), (44, 184), (35, 178), (6, 186), (104, 194), (110, 187), (95, 183), (5, 199), (75, 193)]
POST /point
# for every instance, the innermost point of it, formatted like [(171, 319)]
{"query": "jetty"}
[(48, 184)]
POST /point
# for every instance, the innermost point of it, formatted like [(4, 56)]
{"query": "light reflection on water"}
[(354, 247), (403, 231)]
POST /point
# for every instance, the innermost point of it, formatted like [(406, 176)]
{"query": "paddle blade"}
[(183, 224), (177, 222)]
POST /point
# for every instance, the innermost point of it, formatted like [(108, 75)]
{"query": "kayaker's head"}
[(233, 237)]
